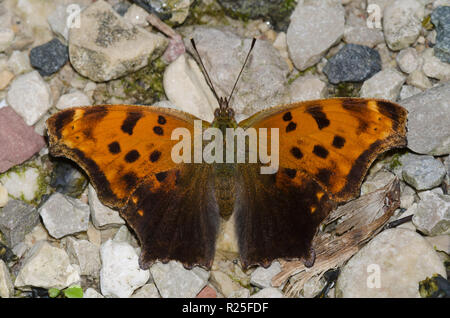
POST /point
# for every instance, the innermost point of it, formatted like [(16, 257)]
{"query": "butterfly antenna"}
[(243, 66), (208, 79)]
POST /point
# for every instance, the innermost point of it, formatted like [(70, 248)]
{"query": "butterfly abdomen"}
[(224, 188)]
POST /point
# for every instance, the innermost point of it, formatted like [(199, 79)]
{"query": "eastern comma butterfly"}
[(176, 209)]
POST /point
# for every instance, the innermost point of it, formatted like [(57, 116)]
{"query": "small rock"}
[(175, 12), (434, 67), (19, 141), (6, 38), (19, 63), (407, 197), (419, 79), (120, 275), (223, 283), (75, 98), (428, 118), (124, 235), (67, 179), (377, 181), (240, 293), (408, 91), (268, 292), (136, 15), (385, 84), (39, 233), (402, 23), (432, 216), (353, 63), (92, 293), (186, 87), (401, 258), (207, 292), (102, 216), (307, 87), (6, 285), (64, 215), (47, 267), (147, 291), (84, 254), (25, 182), (106, 46), (441, 20), (440, 242), (48, 58), (16, 220), (3, 196), (262, 277), (362, 35), (408, 60), (315, 27), (174, 281), (29, 95), (5, 78), (422, 172)]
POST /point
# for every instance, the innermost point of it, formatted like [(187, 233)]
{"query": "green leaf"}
[(53, 292), (74, 291)]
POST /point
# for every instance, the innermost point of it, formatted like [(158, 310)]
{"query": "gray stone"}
[(106, 46), (6, 38), (64, 215), (434, 67), (441, 20), (120, 274), (402, 23), (102, 216), (72, 99), (432, 216), (6, 285), (308, 87), (224, 284), (316, 25), (385, 84), (440, 243), (174, 281), (428, 118), (16, 220), (92, 293), (377, 181), (418, 79), (362, 35), (408, 91), (353, 63), (147, 291), (422, 172), (408, 60), (47, 267), (262, 277), (84, 254), (268, 292), (27, 182), (48, 58), (29, 95), (19, 141), (263, 82), (390, 266)]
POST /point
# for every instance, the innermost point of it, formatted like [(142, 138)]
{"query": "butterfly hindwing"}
[(126, 151)]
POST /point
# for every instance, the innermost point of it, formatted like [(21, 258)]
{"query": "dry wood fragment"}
[(361, 219)]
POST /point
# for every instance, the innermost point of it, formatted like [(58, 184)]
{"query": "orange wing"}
[(334, 140), (126, 151)]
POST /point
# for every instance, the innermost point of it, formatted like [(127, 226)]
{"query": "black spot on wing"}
[(287, 116), (130, 122), (296, 152), (319, 116), (62, 119), (291, 173), (291, 127), (155, 155), (392, 111), (158, 130), (130, 180), (161, 120), (338, 142), (114, 147), (324, 176), (132, 156), (161, 176), (320, 151)]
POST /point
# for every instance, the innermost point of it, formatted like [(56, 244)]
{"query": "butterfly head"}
[(224, 111)]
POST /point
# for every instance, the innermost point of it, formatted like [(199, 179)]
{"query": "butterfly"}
[(177, 210)]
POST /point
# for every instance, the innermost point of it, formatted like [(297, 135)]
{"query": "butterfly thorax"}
[(224, 173)]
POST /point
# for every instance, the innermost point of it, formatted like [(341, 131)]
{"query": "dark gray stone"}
[(16, 220), (441, 19), (67, 179), (353, 63), (48, 58)]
